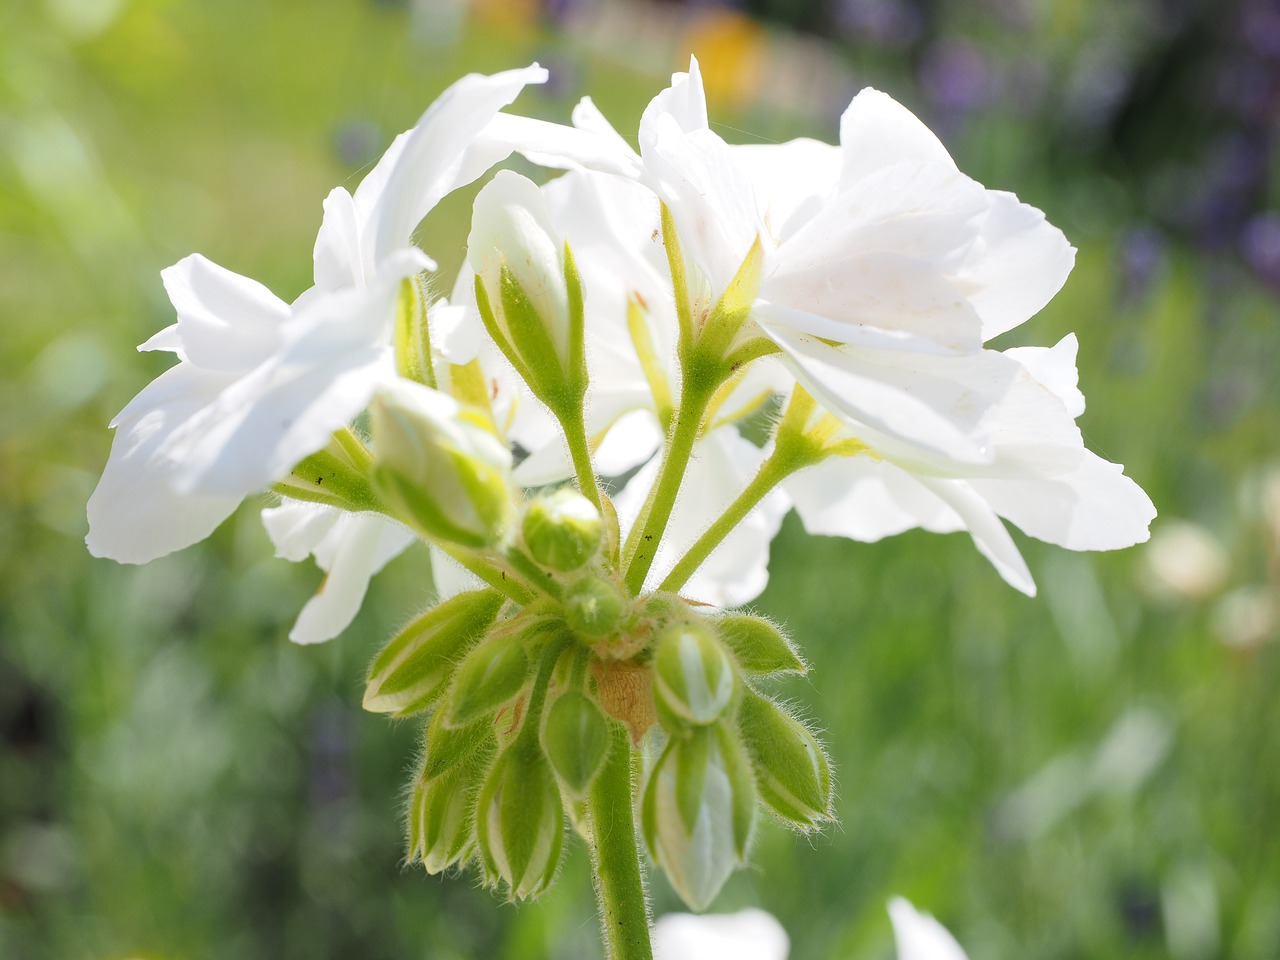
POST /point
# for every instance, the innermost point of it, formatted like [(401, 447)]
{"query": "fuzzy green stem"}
[(615, 856), (647, 532), (540, 579), (490, 575), (575, 433)]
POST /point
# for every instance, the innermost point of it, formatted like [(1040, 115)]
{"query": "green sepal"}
[(442, 814), (793, 776), (493, 673), (758, 645), (520, 821), (414, 669), (449, 746), (575, 736)]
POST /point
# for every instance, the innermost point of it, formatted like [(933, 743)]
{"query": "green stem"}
[(647, 532), (490, 575), (575, 432), (615, 856), (540, 579), (772, 472)]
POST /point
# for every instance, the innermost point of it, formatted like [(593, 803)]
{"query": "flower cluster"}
[(564, 430)]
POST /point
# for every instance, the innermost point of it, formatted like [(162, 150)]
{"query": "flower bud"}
[(758, 645), (449, 746), (697, 812), (415, 668), (575, 736), (492, 674), (792, 773), (439, 467), (527, 287), (442, 815), (693, 678), (562, 530), (593, 606), (520, 820)]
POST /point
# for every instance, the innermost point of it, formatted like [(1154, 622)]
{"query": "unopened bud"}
[(449, 746), (693, 678), (758, 645), (415, 668), (792, 773), (439, 467), (593, 606), (562, 530), (697, 812), (492, 674), (442, 815), (575, 736), (520, 820), (527, 287)]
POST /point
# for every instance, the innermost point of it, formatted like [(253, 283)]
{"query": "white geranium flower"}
[(919, 936), (1040, 477), (747, 935), (261, 384)]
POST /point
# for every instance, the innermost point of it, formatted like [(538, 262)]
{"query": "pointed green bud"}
[(758, 645), (449, 746), (439, 467), (415, 668), (697, 812), (520, 820), (492, 674), (575, 736), (693, 677), (593, 606), (792, 773), (442, 814), (562, 530), (527, 287)]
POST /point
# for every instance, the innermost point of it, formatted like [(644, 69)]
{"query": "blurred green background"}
[(1094, 773)]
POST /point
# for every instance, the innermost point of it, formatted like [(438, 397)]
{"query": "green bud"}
[(439, 467), (520, 820), (792, 772), (415, 668), (492, 674), (575, 736), (449, 746), (562, 530), (697, 812), (758, 645), (693, 678), (593, 606), (442, 815)]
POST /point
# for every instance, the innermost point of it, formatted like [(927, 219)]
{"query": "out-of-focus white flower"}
[(1185, 560), (919, 936), (349, 547), (747, 935), (1247, 618)]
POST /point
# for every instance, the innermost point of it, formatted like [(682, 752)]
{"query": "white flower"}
[(919, 936), (349, 547), (261, 385), (747, 935)]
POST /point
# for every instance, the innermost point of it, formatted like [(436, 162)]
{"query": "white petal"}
[(794, 180), (339, 257), (167, 339), (296, 529), (634, 438), (988, 533), (135, 514), (919, 936), (433, 160), (449, 577), (876, 131), (1017, 266), (747, 935), (1055, 368), (684, 102), (357, 547), (226, 322)]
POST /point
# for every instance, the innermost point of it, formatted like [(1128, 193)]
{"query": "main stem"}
[(615, 856)]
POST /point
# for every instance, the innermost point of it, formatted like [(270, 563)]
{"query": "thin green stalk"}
[(490, 575), (575, 433), (615, 856), (772, 472), (540, 579), (647, 532)]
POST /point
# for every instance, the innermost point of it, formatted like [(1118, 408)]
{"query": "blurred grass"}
[(1092, 773)]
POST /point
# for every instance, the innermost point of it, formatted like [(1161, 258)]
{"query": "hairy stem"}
[(615, 856), (575, 432)]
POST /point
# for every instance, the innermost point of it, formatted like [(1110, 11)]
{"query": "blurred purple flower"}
[(1140, 258), (888, 23), (1260, 246), (954, 77)]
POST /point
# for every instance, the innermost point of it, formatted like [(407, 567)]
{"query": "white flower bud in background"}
[(439, 466), (562, 530), (697, 812), (693, 677), (527, 287), (1184, 560)]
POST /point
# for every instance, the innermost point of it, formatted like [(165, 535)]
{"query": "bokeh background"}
[(1093, 773)]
